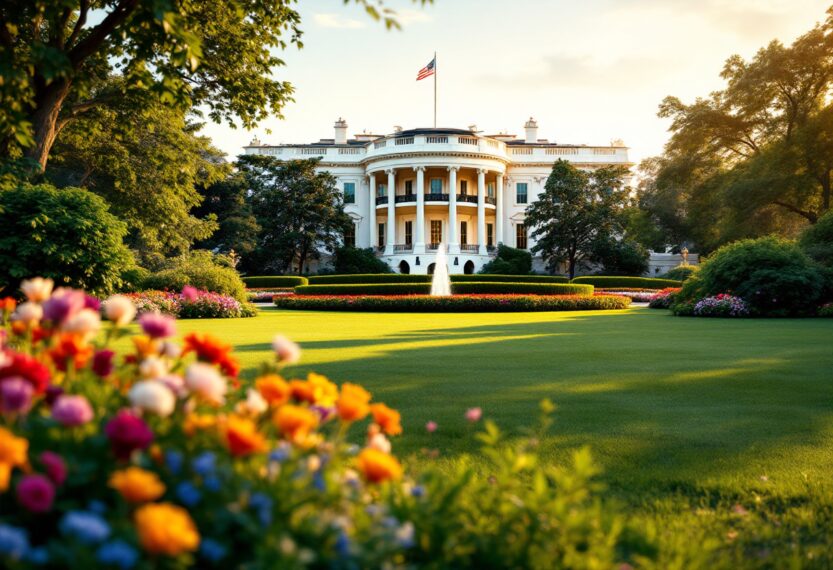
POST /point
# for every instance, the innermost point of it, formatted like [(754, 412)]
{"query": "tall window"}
[(436, 186), (464, 233), (350, 236), (490, 235), (349, 192), (381, 236), (520, 193), (490, 189), (464, 187), (381, 190), (436, 231), (409, 232), (409, 187), (520, 236)]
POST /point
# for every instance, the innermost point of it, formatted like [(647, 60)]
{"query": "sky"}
[(589, 71)]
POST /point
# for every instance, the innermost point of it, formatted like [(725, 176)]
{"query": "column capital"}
[(419, 169), (539, 179), (482, 171), (453, 168), (390, 171)]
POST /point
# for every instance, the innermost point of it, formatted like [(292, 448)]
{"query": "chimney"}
[(531, 131), (341, 131)]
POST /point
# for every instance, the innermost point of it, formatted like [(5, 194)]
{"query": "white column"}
[(419, 241), (453, 240), (499, 210), (391, 238), (481, 211), (371, 216)]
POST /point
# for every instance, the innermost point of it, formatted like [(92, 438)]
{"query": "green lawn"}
[(683, 414)]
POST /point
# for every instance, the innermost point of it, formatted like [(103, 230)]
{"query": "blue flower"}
[(188, 494), (343, 544), (86, 527), (174, 460), (97, 507), (14, 542), (418, 491), (279, 454), (262, 505), (212, 550), (390, 522), (38, 556), (118, 553), (318, 481), (204, 464), (212, 483)]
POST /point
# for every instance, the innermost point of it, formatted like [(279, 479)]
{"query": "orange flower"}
[(8, 304), (198, 422), (166, 529), (243, 438), (273, 388), (145, 345), (295, 422), (378, 466), (387, 418), (13, 453), (302, 391), (353, 404), (71, 349), (137, 485), (211, 349)]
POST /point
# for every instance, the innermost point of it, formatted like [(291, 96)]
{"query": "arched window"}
[(404, 268), (468, 268)]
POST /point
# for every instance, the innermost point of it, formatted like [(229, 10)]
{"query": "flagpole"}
[(435, 90)]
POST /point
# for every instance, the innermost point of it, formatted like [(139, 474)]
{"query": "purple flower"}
[(72, 410), (52, 393), (91, 302), (63, 304), (35, 493), (15, 395), (157, 325), (55, 466), (103, 362)]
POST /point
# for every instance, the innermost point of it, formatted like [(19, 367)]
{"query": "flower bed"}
[(722, 306), (664, 299), (154, 458), (458, 288), (191, 304), (265, 295), (634, 295), (452, 304)]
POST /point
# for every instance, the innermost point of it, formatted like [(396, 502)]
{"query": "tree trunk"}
[(48, 105), (825, 192)]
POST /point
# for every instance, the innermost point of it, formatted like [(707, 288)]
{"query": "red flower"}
[(70, 349), (212, 350), (103, 362), (127, 433), (27, 368)]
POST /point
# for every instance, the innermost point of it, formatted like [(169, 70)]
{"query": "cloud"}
[(335, 21), (409, 16)]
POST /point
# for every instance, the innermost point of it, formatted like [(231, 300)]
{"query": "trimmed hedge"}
[(454, 304), (458, 289), (378, 278), (493, 278), (365, 289), (608, 282), (277, 281)]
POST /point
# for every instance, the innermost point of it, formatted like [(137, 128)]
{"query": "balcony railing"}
[(406, 198), (491, 200), (381, 200), (469, 248), (403, 247), (491, 248), (470, 198), (436, 197), (433, 246)]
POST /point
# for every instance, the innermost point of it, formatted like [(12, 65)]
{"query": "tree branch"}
[(98, 34), (811, 216), (79, 23)]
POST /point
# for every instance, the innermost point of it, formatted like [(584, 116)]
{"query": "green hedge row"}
[(631, 282), (261, 281), (461, 288), (454, 304), (376, 278), (509, 279)]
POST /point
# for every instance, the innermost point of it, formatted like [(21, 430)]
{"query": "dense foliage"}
[(620, 256), (68, 235), (191, 303), (227, 200), (199, 269), (352, 260), (576, 210), (817, 240), (608, 282), (664, 298), (277, 281), (681, 272), (773, 275), (453, 303), (509, 261)]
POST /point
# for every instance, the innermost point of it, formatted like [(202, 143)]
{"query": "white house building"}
[(409, 191)]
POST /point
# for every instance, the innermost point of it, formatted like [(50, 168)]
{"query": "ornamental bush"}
[(664, 299), (773, 275), (353, 260), (826, 310), (274, 281), (611, 281), (152, 457), (817, 240), (199, 269), (68, 235), (454, 303), (509, 261), (682, 272)]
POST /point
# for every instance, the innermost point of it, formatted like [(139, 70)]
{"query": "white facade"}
[(411, 190)]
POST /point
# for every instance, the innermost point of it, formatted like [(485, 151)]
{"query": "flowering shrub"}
[(663, 299), (636, 296), (157, 458), (826, 310), (191, 304), (453, 303), (721, 306), (265, 295)]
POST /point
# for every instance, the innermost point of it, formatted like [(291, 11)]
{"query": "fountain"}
[(440, 284)]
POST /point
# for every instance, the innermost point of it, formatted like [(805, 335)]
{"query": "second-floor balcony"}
[(436, 197), (403, 198)]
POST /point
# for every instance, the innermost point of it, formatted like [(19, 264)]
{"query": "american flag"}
[(427, 71)]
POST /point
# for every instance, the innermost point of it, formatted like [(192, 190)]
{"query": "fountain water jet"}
[(441, 283)]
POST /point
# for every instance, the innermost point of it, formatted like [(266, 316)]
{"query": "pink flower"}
[(431, 427), (72, 410), (63, 304), (287, 351), (127, 433), (15, 395), (157, 325), (55, 466), (190, 293), (35, 493), (474, 414)]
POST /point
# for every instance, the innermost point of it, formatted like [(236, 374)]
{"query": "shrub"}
[(200, 473), (826, 310), (620, 256), (276, 281), (67, 235), (191, 304), (664, 299), (608, 282), (817, 240), (365, 289), (371, 278), (481, 278), (458, 288), (198, 269), (682, 272), (352, 260), (721, 306), (773, 275), (133, 279), (509, 261), (454, 303)]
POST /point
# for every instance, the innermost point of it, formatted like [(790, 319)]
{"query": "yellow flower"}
[(273, 388), (137, 485), (353, 404), (145, 346), (166, 529), (378, 466), (295, 422), (13, 453), (197, 422), (324, 392)]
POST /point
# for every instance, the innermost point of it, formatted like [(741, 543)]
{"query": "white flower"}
[(171, 349), (153, 367), (37, 289), (380, 442), (85, 322), (120, 310), (153, 397), (254, 404), (175, 383), (28, 313), (287, 351), (204, 380)]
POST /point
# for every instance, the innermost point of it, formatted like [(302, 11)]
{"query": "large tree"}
[(228, 201), (216, 53), (300, 212), (576, 209)]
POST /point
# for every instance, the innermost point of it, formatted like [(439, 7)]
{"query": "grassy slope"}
[(684, 414)]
